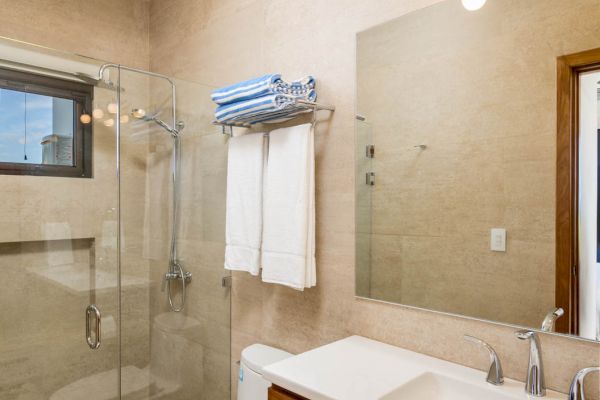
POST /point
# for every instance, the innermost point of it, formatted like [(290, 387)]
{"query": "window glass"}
[(36, 129)]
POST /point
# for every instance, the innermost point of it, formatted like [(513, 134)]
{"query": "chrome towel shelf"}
[(300, 104)]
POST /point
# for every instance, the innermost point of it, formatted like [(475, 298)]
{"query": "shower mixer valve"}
[(175, 274)]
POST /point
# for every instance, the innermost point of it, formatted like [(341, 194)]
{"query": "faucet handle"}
[(576, 389), (495, 375)]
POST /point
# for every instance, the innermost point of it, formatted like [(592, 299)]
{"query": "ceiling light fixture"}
[(473, 5)]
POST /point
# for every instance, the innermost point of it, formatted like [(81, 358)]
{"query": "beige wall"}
[(220, 42), (112, 30), (459, 83)]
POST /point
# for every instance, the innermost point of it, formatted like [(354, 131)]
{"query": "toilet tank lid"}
[(258, 355)]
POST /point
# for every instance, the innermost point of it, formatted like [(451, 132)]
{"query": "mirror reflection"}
[(477, 162)]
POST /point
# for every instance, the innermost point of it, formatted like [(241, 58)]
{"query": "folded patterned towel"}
[(265, 85), (261, 109), (302, 86)]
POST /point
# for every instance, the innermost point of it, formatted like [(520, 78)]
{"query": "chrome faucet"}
[(534, 383), (576, 389), (495, 375), (550, 319)]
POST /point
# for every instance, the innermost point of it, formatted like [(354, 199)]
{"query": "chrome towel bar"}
[(300, 104)]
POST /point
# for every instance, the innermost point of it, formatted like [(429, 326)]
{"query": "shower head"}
[(140, 114)]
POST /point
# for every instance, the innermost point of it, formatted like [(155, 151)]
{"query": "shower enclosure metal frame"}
[(175, 270)]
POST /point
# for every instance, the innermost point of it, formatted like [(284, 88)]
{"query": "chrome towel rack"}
[(299, 105)]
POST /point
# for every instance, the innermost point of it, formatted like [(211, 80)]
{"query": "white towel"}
[(243, 226), (288, 248)]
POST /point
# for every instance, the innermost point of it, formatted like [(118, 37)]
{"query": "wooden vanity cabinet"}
[(279, 393)]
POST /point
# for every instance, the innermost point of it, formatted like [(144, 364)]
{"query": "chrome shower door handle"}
[(93, 342)]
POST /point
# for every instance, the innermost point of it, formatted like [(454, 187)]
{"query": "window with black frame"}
[(45, 126)]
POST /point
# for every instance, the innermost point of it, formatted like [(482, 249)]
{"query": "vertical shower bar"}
[(175, 183), (119, 330)]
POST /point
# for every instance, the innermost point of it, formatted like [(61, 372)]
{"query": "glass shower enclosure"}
[(87, 263)]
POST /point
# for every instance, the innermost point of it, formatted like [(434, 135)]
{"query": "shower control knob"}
[(171, 276)]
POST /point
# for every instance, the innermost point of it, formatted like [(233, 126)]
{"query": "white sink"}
[(432, 386), (357, 368)]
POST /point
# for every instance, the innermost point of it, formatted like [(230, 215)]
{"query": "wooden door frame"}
[(569, 68)]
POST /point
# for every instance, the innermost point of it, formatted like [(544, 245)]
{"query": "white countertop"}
[(357, 368)]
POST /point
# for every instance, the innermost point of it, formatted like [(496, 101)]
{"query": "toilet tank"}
[(251, 385)]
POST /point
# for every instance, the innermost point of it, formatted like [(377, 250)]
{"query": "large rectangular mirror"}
[(477, 162)]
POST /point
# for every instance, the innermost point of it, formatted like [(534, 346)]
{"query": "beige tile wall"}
[(219, 42), (112, 30)]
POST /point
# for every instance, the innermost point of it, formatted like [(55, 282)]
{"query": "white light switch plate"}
[(498, 239)]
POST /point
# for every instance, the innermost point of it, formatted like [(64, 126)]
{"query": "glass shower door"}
[(58, 256), (182, 354)]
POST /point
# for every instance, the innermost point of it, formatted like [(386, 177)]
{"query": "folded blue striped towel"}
[(261, 109), (274, 116), (263, 86)]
